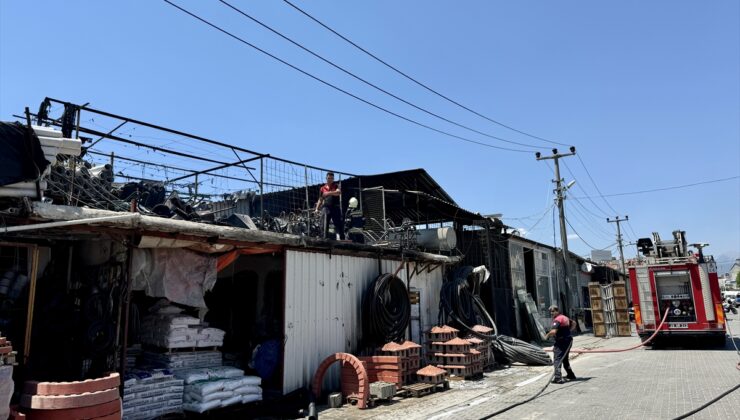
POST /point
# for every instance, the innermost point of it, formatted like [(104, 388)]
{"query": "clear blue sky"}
[(649, 93)]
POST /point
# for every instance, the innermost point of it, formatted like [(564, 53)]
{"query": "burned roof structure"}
[(122, 164)]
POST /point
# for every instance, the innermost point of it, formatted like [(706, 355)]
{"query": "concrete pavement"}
[(643, 383)]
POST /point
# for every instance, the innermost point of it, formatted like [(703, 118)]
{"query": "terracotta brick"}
[(379, 359), (56, 402), (68, 388), (81, 413)]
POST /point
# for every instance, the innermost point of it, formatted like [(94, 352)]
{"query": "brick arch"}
[(362, 380)]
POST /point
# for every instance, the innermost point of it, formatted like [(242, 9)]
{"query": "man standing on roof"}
[(561, 328), (329, 197)]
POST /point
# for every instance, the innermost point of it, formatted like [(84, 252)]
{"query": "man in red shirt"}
[(329, 197), (561, 328)]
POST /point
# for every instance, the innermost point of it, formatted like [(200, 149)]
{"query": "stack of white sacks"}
[(211, 388), (174, 330), (151, 393), (182, 359)]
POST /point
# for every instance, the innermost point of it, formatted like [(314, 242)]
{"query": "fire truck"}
[(670, 277)]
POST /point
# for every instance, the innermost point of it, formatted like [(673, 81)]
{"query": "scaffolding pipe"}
[(70, 222)]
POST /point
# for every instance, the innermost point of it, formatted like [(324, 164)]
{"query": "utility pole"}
[(619, 238), (560, 190)]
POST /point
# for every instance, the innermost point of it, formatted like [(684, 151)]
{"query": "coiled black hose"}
[(386, 310), (458, 302)]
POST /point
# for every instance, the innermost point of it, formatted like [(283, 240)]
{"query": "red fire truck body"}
[(671, 278)]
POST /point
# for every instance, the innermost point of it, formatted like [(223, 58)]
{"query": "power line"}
[(416, 81), (581, 237), (349, 73), (593, 227), (367, 102), (584, 191), (711, 181), (595, 186), (540, 219)]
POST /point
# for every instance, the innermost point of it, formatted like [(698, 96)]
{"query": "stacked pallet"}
[(90, 399), (621, 309), (151, 393)]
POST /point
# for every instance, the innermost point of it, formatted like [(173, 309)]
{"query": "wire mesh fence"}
[(157, 170)]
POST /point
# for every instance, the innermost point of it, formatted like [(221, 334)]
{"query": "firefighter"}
[(561, 329), (329, 205)]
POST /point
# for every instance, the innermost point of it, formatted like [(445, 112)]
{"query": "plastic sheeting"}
[(20, 159), (179, 275)]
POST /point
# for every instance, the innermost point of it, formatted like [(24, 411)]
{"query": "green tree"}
[(737, 279)]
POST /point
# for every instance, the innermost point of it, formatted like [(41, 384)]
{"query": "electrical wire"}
[(418, 82), (711, 181), (337, 88), (581, 237), (589, 224), (594, 183), (541, 218), (368, 83), (578, 185)]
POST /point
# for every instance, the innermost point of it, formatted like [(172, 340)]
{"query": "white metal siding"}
[(323, 308)]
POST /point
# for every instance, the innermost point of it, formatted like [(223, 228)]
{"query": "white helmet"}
[(353, 203)]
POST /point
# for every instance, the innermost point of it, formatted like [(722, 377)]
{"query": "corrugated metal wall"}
[(323, 309)]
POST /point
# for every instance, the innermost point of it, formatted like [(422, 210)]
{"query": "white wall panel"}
[(323, 309)]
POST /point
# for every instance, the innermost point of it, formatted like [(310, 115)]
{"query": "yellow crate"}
[(624, 330), (623, 317), (620, 290), (597, 304), (598, 317), (620, 303), (599, 330), (594, 290)]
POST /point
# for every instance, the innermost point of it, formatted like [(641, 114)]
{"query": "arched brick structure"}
[(364, 384)]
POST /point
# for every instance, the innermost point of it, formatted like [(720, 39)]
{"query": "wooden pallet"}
[(166, 350), (419, 390)]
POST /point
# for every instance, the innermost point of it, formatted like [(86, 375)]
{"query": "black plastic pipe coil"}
[(386, 310)]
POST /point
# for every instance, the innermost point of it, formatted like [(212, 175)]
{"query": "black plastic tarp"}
[(21, 156)]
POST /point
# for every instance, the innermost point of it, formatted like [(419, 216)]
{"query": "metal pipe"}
[(31, 302), (70, 222)]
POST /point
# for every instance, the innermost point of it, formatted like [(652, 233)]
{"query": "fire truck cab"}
[(670, 277)]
